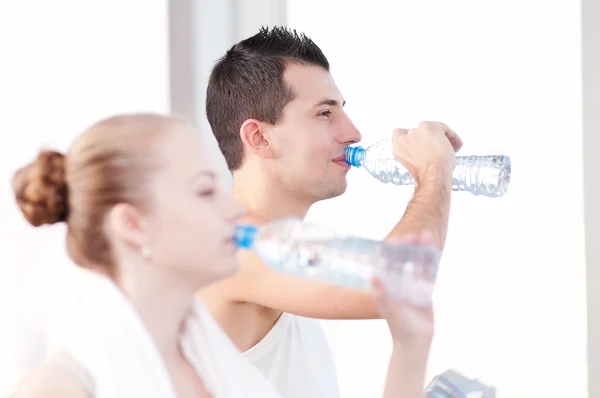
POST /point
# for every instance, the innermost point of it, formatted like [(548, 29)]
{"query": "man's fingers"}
[(399, 133), (423, 238), (426, 238), (455, 140)]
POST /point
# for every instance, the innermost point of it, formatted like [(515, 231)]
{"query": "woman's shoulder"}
[(61, 376)]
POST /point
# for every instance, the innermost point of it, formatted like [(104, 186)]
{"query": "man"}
[(278, 117)]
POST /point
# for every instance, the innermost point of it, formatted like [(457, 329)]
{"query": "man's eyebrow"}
[(330, 102)]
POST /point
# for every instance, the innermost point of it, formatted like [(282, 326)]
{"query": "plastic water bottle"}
[(480, 175), (306, 250)]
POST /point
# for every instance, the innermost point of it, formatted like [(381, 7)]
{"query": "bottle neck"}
[(245, 236), (355, 156)]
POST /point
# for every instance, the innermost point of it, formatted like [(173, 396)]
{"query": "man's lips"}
[(341, 161)]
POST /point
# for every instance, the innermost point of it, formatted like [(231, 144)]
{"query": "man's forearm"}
[(429, 210)]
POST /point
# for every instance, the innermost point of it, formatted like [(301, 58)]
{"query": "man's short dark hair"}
[(247, 83)]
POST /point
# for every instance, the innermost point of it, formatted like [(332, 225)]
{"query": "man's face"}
[(310, 138)]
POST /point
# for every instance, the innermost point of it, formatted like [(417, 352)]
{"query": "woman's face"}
[(191, 220)]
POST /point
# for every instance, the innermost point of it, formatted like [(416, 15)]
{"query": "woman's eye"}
[(206, 192)]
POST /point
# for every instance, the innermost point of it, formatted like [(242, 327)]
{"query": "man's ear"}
[(255, 138)]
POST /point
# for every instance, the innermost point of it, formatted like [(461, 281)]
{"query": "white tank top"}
[(296, 358)]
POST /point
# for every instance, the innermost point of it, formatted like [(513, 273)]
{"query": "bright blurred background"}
[(511, 298)]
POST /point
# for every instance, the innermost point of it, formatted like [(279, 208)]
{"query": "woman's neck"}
[(163, 307)]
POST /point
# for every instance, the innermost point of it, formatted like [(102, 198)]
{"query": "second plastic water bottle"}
[(480, 175), (309, 251)]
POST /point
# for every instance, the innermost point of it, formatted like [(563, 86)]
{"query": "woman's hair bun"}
[(41, 189)]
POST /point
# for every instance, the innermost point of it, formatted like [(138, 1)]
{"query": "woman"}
[(146, 214)]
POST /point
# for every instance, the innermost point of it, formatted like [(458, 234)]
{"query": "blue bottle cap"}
[(354, 155), (244, 236)]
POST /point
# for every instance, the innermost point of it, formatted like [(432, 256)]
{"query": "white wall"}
[(510, 304), (65, 64), (590, 10)]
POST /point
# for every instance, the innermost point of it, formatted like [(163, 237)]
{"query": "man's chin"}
[(334, 191)]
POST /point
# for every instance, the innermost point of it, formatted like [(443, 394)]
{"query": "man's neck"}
[(265, 200)]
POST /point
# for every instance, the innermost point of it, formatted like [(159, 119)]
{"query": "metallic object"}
[(452, 384)]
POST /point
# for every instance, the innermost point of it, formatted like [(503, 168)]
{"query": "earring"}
[(145, 252)]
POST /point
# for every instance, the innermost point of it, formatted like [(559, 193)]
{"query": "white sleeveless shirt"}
[(296, 358)]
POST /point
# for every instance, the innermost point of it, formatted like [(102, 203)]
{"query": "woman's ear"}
[(127, 223)]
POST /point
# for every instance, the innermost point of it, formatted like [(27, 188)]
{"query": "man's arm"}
[(428, 153), (429, 210), (258, 284)]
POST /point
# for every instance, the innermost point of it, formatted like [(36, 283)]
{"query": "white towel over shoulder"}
[(104, 333)]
